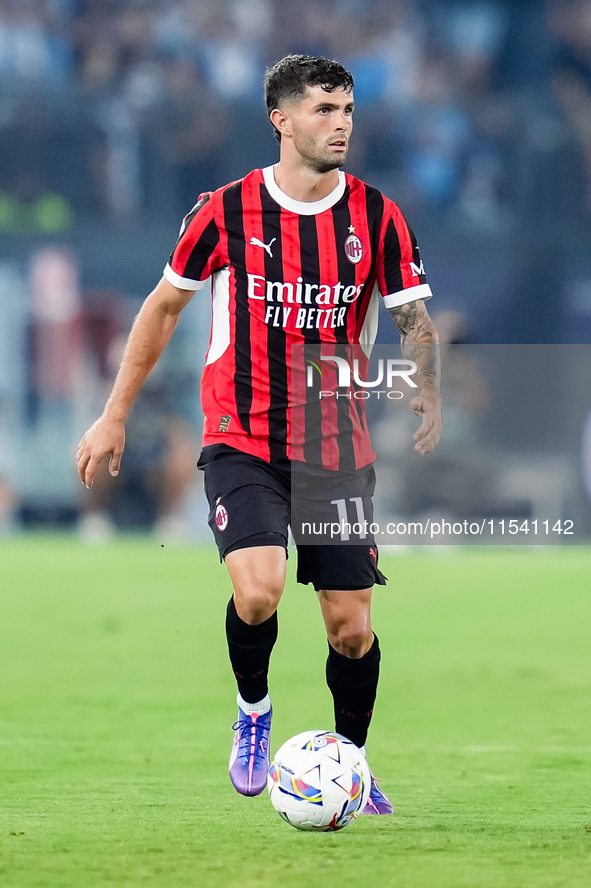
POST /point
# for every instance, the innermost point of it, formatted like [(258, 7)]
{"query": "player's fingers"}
[(429, 440), (82, 455), (416, 405), (425, 446), (115, 463), (81, 463), (424, 427), (90, 471)]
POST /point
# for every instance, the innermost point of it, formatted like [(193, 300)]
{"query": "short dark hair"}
[(289, 78)]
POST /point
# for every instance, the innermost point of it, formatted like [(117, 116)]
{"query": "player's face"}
[(321, 125)]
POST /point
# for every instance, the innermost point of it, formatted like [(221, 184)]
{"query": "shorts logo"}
[(221, 517), (224, 423), (354, 249)]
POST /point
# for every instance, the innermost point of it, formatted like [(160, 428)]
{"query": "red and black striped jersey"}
[(289, 276)]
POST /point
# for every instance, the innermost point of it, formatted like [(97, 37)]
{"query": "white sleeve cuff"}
[(410, 294), (182, 283)]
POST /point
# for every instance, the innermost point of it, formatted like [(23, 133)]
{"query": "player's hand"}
[(427, 406), (105, 438)]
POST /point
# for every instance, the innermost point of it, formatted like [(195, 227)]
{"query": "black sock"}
[(353, 684), (250, 651)]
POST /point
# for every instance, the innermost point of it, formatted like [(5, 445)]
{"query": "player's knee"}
[(258, 578), (256, 607), (351, 640), (255, 604)]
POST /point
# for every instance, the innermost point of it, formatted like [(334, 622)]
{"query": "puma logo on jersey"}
[(255, 242)]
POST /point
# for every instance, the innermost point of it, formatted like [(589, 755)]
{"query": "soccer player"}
[(299, 254)]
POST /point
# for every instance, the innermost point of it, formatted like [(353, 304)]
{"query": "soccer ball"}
[(319, 780)]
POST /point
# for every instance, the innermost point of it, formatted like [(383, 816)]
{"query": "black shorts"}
[(254, 503)]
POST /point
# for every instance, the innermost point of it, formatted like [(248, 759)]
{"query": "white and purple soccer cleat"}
[(249, 759), (377, 802)]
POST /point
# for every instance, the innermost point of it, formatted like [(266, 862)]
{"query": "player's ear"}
[(280, 121)]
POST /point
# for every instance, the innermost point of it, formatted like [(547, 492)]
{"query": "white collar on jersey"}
[(304, 208)]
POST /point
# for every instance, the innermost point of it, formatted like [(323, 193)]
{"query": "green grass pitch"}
[(117, 701)]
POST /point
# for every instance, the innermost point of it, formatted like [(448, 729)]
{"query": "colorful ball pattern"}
[(319, 780)]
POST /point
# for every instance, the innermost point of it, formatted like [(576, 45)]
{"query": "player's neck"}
[(303, 184)]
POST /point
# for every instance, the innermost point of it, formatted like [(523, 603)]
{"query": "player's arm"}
[(420, 343), (147, 340)]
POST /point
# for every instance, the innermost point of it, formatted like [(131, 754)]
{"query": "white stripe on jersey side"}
[(182, 283), (410, 294), (369, 331), (220, 318)]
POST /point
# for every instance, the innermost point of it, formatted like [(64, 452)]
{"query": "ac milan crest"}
[(354, 249), (221, 517)]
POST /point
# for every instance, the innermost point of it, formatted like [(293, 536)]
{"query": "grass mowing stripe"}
[(117, 702)]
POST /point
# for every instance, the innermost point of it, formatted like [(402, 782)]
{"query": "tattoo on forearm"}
[(419, 341)]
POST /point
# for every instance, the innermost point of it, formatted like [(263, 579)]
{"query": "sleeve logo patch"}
[(224, 423)]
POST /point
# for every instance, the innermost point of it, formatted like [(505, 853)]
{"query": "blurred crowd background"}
[(473, 115)]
